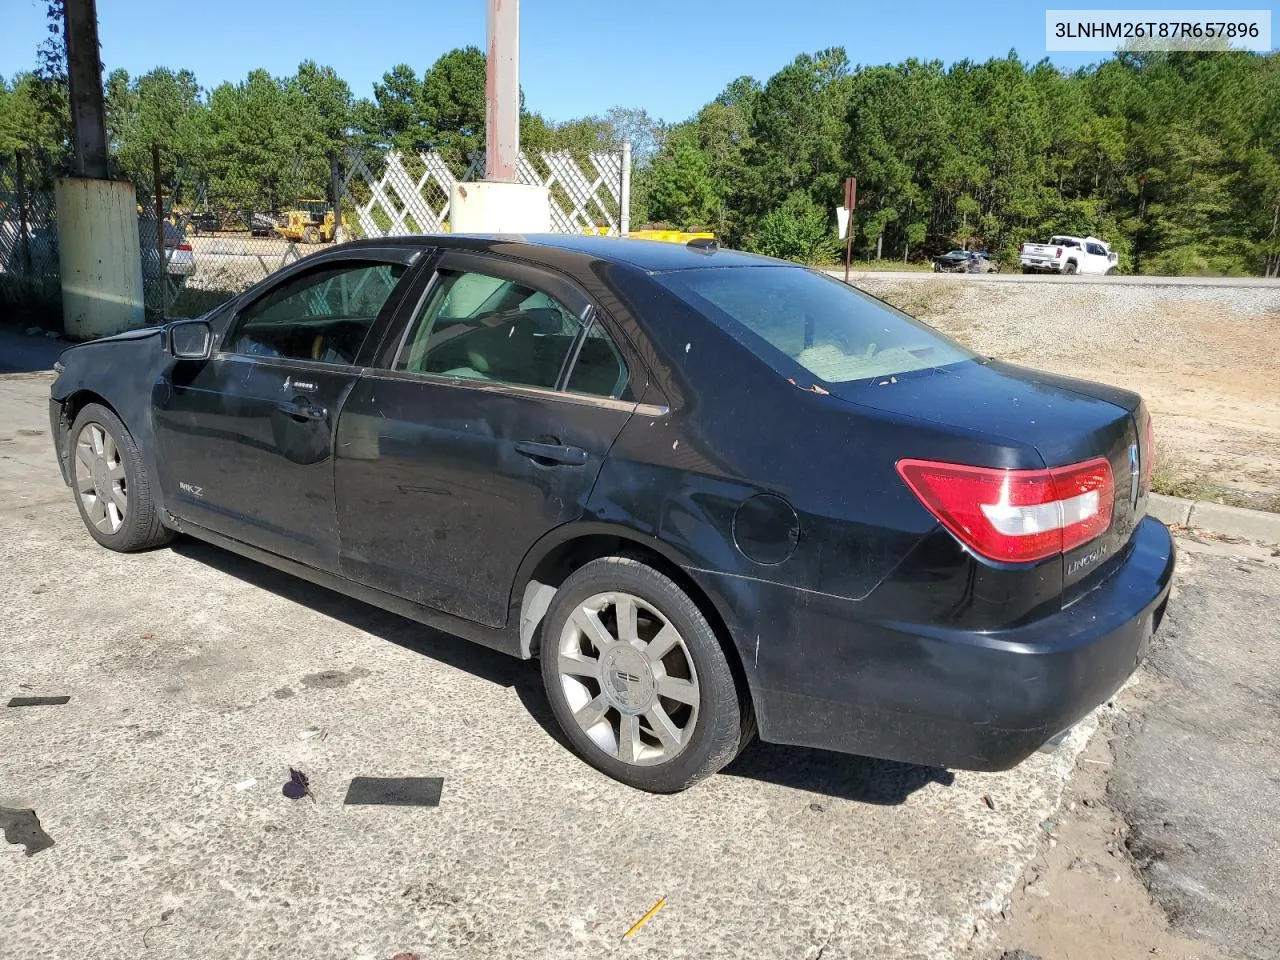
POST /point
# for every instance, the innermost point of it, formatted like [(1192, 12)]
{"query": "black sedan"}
[(965, 261), (714, 493)]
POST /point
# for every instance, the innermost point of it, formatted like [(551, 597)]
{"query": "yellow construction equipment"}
[(311, 222)]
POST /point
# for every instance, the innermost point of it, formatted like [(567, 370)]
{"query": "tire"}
[(104, 455), (310, 235), (1069, 268), (702, 728), (1111, 271)]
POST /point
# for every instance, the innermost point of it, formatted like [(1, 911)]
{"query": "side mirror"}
[(190, 340)]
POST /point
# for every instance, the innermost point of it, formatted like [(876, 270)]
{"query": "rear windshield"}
[(835, 332)]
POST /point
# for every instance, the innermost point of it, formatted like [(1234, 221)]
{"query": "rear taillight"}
[(184, 247), (1015, 516), (1058, 253)]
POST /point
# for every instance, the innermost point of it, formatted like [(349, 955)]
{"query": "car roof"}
[(651, 256)]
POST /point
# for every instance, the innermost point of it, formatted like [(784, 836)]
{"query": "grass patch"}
[(1173, 477), (922, 299), (878, 266)]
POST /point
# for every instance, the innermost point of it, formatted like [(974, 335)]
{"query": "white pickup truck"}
[(1067, 255)]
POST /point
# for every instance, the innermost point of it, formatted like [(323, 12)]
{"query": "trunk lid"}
[(1066, 421)]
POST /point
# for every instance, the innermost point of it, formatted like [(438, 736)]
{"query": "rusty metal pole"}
[(84, 86), (502, 91), (850, 201), (24, 226), (335, 188), (155, 174)]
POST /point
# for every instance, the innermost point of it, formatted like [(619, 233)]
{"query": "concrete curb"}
[(1216, 518)]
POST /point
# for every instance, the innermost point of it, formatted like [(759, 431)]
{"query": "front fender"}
[(118, 372)]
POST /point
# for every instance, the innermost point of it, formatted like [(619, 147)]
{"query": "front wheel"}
[(638, 680), (111, 484)]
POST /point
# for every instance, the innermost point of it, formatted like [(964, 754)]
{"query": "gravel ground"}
[(1202, 356)]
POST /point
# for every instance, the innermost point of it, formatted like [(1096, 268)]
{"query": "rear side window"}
[(482, 327), (835, 332)]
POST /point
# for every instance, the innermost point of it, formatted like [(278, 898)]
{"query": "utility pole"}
[(98, 254), (500, 203), (84, 84), (502, 92)]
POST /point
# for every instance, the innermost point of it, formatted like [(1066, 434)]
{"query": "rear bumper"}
[(940, 696), (1045, 267)]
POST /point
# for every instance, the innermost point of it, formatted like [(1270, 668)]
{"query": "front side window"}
[(835, 332), (322, 315), (482, 327), (1095, 249)]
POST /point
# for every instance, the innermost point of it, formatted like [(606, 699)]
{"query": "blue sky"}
[(577, 56)]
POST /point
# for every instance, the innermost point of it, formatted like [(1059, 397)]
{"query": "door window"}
[(483, 327), (1095, 249), (321, 315)]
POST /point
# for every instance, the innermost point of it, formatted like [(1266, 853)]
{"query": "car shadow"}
[(860, 779), (20, 353)]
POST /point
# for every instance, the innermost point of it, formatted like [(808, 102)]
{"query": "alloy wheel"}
[(628, 678), (100, 478)]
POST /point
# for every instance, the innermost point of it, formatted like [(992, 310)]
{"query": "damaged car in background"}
[(715, 495)]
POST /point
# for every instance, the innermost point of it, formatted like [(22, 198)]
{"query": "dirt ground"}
[(1203, 357), (1165, 843), (1081, 898)]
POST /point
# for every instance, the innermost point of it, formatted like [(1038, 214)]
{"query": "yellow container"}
[(671, 236)]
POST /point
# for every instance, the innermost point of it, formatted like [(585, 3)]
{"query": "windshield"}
[(835, 332)]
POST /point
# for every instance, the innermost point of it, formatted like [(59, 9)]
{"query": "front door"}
[(245, 439), (487, 430)]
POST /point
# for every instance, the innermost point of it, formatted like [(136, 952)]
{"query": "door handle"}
[(303, 410), (549, 454)]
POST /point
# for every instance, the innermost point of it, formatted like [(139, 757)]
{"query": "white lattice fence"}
[(410, 194), (29, 270)]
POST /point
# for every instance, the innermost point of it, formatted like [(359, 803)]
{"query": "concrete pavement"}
[(1197, 758), (192, 673)]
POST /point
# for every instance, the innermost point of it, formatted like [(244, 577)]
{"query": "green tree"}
[(453, 103), (680, 190)]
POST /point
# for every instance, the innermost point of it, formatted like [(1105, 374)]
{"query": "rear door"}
[(485, 428), (245, 438)]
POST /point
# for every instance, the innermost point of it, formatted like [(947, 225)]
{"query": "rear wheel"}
[(1069, 268), (637, 678), (111, 484)]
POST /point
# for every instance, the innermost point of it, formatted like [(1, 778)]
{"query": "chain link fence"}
[(198, 251), (29, 275)]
